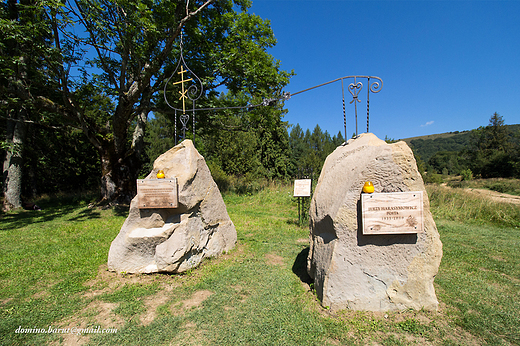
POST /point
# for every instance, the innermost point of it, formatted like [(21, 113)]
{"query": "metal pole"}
[(368, 101), (344, 113), (355, 107), (299, 217)]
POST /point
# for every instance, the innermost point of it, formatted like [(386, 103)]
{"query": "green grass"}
[(462, 206), (479, 279), (53, 273)]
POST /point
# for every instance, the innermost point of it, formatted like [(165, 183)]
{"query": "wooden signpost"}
[(157, 193), (392, 213)]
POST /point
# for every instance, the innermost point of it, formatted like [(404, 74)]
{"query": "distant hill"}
[(427, 146)]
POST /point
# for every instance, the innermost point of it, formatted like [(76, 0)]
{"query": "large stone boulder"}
[(175, 239), (370, 272)]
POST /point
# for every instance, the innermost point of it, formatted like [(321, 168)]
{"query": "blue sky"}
[(446, 65)]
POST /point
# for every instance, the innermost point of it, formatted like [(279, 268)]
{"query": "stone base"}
[(174, 240), (370, 272)]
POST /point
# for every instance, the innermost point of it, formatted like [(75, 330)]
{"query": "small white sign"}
[(302, 188)]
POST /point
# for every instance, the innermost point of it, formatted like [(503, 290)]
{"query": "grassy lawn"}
[(53, 275)]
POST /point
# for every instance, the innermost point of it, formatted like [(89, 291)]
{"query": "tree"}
[(309, 151), (490, 150), (125, 51), (497, 135), (23, 72)]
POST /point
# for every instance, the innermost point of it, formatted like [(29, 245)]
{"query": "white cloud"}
[(428, 123)]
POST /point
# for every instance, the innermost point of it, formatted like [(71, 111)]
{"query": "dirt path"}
[(496, 196), (493, 195)]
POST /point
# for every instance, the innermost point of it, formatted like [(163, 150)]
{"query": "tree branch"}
[(93, 43), (151, 68)]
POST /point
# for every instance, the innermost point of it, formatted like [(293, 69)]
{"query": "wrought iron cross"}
[(193, 92), (183, 92)]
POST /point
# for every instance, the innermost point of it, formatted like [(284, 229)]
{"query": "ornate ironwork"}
[(192, 92), (195, 90), (354, 89)]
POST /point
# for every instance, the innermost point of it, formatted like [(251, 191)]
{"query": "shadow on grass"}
[(298, 223), (55, 208), (300, 266)]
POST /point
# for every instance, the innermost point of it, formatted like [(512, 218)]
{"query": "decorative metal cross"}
[(183, 92), (193, 92)]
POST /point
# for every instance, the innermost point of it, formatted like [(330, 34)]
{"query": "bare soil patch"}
[(193, 302), (151, 304), (107, 281), (274, 259), (97, 313)]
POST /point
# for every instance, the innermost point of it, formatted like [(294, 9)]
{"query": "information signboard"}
[(157, 193), (392, 213), (302, 188)]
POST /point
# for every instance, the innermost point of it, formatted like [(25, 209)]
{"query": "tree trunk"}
[(13, 162), (120, 170), (121, 166)]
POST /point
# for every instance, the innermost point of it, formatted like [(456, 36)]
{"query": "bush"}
[(247, 184), (432, 178), (222, 180), (467, 175), (501, 187)]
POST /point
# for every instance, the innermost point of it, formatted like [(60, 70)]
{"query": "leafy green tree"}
[(447, 162), (125, 51)]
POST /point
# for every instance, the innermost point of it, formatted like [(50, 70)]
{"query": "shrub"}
[(467, 175), (222, 180), (432, 178)]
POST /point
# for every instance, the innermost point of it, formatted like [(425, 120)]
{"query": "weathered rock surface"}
[(175, 240), (370, 272)]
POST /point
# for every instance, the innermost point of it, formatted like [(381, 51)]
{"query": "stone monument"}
[(379, 253), (175, 222)]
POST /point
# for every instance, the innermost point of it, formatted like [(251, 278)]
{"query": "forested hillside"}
[(488, 152), (426, 146)]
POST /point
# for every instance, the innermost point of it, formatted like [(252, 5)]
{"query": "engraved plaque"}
[(302, 188), (392, 213), (157, 193)]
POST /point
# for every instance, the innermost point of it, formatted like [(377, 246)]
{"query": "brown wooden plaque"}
[(157, 193), (392, 213), (302, 188)]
